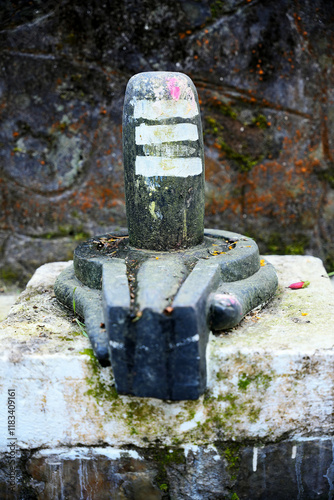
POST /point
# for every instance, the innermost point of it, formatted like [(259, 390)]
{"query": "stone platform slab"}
[(270, 380), (270, 377)]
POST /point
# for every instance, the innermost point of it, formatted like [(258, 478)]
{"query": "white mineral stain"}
[(116, 345), (255, 452), (190, 447), (57, 455), (193, 423)]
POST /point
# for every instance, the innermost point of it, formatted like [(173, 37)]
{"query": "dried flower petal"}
[(299, 284), (168, 310)]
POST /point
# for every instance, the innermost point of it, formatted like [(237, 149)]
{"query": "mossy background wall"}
[(265, 78)]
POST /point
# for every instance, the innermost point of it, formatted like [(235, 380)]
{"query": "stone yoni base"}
[(259, 431)]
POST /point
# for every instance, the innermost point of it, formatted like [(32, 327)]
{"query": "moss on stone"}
[(100, 389), (327, 176), (231, 454), (138, 413), (237, 404), (245, 162), (8, 275), (329, 262), (165, 457), (225, 109), (259, 378), (225, 411), (77, 234), (260, 121), (213, 126), (228, 397), (217, 8), (254, 414), (296, 246)]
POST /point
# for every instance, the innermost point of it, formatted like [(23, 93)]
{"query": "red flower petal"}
[(299, 284)]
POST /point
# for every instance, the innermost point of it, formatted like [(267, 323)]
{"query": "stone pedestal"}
[(261, 430)]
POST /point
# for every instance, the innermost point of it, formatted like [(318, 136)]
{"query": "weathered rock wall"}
[(264, 73), (223, 471)]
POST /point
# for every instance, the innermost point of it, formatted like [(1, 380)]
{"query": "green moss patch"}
[(99, 388), (9, 275), (260, 121), (165, 457), (244, 162), (295, 246), (259, 378)]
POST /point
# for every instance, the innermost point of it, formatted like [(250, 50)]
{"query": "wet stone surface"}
[(221, 471)]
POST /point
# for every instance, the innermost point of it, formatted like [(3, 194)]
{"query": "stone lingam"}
[(149, 298)]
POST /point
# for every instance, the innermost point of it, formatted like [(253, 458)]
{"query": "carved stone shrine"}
[(149, 298)]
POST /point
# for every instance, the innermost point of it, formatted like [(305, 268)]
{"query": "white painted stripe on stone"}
[(156, 166), (164, 108), (156, 134)]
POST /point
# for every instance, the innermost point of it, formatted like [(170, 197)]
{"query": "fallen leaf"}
[(262, 262)]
